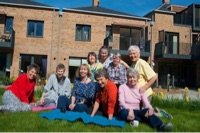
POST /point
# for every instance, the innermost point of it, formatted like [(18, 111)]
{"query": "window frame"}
[(35, 28), (82, 32)]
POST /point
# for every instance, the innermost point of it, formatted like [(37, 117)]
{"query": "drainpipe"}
[(52, 26), (59, 35), (151, 44)]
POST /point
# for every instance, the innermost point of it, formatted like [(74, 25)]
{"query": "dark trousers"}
[(64, 102), (153, 120)]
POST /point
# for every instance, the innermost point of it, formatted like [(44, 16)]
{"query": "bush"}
[(6, 80), (176, 103)]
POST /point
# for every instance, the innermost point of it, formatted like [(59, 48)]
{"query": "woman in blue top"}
[(83, 93)]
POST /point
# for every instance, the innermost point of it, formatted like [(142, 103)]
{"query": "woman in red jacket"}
[(20, 95)]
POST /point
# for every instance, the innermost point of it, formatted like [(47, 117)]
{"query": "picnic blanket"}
[(42, 108), (86, 118)]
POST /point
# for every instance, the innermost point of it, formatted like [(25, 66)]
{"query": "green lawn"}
[(186, 118)]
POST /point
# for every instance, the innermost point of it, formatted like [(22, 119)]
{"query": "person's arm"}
[(123, 77), (148, 84), (41, 101), (72, 105), (21, 84), (95, 108), (150, 76), (67, 87), (124, 63), (112, 99), (49, 84), (122, 102)]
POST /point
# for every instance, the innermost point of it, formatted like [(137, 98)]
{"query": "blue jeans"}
[(153, 120), (64, 102)]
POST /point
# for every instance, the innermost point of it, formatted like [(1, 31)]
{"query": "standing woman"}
[(93, 64), (105, 58), (20, 95), (83, 93)]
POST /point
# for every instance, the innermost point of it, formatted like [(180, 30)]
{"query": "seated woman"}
[(106, 99), (83, 93), (93, 64), (129, 102), (57, 85), (20, 95)]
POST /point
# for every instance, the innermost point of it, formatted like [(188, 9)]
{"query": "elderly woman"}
[(147, 74), (57, 85), (83, 93), (106, 98), (20, 95), (129, 102), (93, 64)]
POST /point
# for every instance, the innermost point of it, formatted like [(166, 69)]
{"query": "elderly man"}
[(117, 71), (147, 75)]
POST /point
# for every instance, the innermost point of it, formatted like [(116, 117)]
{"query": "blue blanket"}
[(86, 118)]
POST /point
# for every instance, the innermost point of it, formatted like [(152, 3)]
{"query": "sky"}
[(133, 7)]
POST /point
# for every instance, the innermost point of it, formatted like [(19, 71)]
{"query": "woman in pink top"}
[(129, 103)]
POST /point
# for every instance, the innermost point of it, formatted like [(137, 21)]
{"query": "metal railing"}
[(162, 48), (125, 42), (7, 38)]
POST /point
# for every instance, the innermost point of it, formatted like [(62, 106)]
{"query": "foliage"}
[(4, 80), (183, 119)]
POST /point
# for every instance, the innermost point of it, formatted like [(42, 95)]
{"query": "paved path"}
[(194, 95)]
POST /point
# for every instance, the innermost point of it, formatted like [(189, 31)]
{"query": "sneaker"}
[(165, 114), (166, 127), (162, 113), (134, 123)]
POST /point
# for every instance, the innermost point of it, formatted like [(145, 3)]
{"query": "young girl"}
[(20, 95)]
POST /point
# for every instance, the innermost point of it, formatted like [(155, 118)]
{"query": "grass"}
[(186, 118)]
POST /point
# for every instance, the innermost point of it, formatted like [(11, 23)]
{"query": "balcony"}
[(125, 42), (183, 51), (7, 39)]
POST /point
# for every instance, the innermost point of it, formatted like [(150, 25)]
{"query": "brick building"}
[(175, 38), (34, 32), (44, 35)]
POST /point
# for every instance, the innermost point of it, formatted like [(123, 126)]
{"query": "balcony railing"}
[(7, 39), (182, 51), (125, 42)]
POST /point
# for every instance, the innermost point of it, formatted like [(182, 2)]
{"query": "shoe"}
[(165, 114), (63, 110), (134, 123), (166, 127), (162, 113)]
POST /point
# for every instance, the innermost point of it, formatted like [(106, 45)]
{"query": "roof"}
[(164, 8), (28, 3), (104, 11)]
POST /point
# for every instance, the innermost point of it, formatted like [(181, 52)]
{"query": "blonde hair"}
[(88, 69)]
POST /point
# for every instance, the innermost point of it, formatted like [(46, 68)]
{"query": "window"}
[(8, 25), (35, 28), (130, 36), (83, 33), (40, 60), (109, 33), (197, 17), (172, 42)]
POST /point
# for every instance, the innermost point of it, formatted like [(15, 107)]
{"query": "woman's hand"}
[(41, 101), (71, 106), (130, 115)]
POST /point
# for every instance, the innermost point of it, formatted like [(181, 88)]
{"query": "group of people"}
[(106, 86)]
